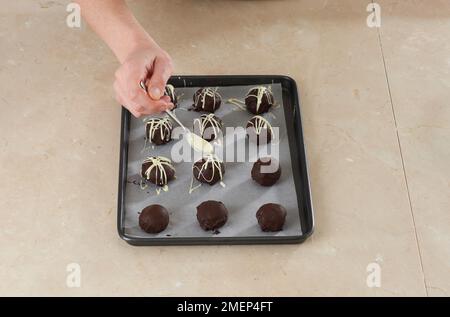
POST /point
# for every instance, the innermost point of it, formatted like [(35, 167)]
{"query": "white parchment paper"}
[(242, 196)]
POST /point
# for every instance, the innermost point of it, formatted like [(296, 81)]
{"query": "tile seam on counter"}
[(401, 157)]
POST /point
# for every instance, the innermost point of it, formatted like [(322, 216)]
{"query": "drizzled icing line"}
[(260, 123), (238, 103), (211, 92), (158, 163), (170, 91), (163, 125), (260, 92), (191, 188), (216, 165), (203, 121), (216, 168)]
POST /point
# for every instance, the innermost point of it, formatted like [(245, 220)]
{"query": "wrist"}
[(136, 41)]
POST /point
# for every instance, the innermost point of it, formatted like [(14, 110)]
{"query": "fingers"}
[(167, 103), (162, 70), (121, 100), (132, 96), (138, 102)]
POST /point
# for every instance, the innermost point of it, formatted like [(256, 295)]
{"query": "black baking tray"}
[(291, 106)]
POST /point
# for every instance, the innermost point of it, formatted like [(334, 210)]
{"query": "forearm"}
[(141, 59), (115, 24)]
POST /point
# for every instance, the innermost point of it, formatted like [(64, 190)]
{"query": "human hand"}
[(152, 65)]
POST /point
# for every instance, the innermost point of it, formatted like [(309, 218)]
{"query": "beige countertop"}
[(375, 103)]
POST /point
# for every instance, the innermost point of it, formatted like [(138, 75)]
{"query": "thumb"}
[(162, 69)]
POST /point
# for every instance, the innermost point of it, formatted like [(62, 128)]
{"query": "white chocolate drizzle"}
[(201, 97), (203, 122), (170, 91), (238, 103), (165, 188), (191, 189), (199, 144), (260, 123), (159, 125), (216, 168), (260, 92), (159, 163), (142, 184)]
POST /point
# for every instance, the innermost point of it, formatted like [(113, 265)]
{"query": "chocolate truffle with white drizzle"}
[(196, 142), (259, 100), (158, 170), (208, 126), (158, 130), (170, 91), (259, 130), (207, 99), (209, 170)]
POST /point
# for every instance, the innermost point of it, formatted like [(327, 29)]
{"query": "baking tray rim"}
[(217, 240)]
